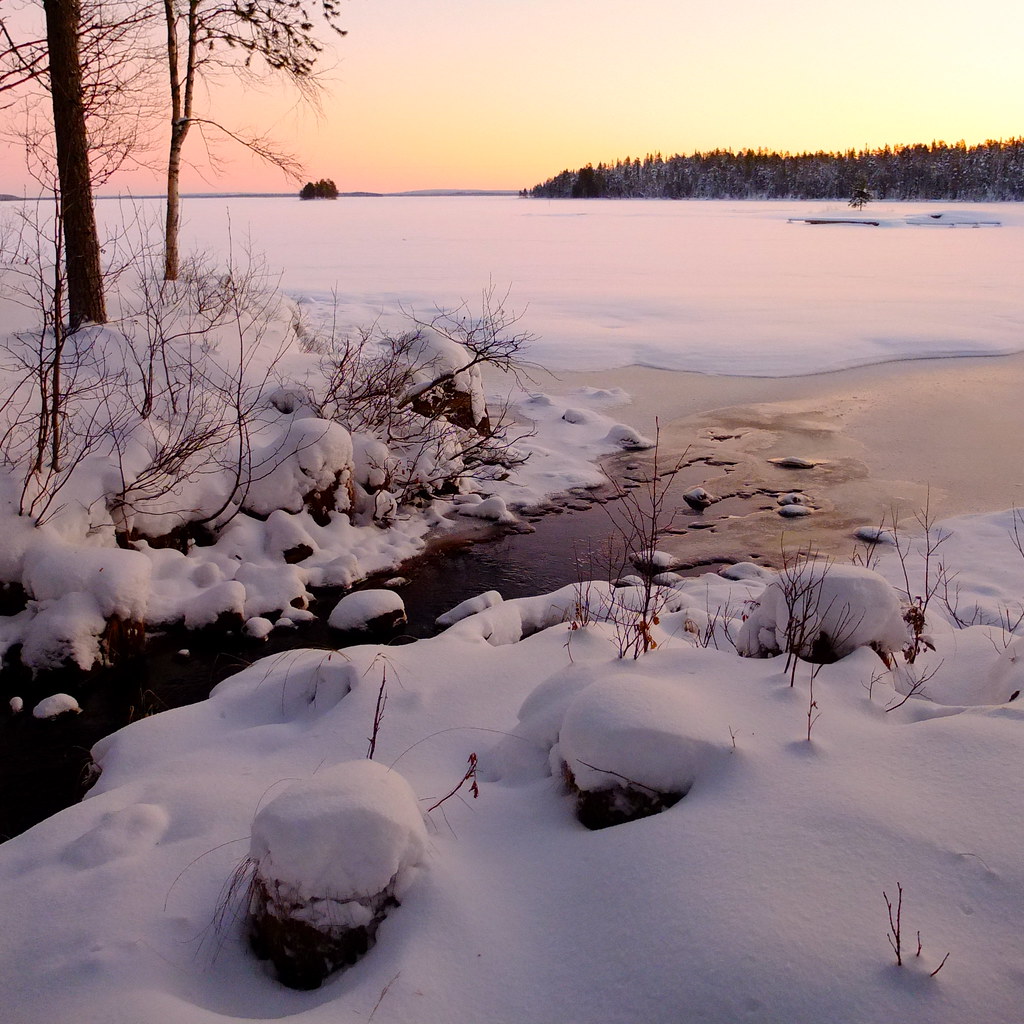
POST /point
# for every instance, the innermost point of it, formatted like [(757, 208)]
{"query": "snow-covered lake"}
[(716, 287)]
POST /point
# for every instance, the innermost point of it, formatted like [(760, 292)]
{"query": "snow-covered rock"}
[(330, 855), (470, 606), (367, 610), (638, 730), (493, 509), (309, 460), (56, 704), (64, 631)]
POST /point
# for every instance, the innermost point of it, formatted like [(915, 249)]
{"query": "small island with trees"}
[(322, 189)]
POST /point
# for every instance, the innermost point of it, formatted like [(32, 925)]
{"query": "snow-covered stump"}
[(330, 857)]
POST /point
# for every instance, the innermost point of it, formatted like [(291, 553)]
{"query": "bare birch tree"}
[(251, 38)]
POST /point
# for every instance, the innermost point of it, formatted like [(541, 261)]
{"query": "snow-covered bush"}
[(308, 464), (821, 611), (329, 857), (207, 420), (420, 393)]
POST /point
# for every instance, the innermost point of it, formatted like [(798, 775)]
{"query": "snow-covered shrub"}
[(821, 611), (420, 393), (329, 857), (307, 465)]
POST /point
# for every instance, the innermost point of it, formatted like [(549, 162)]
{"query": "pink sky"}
[(474, 93)]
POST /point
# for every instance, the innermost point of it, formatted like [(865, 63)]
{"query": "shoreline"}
[(907, 435)]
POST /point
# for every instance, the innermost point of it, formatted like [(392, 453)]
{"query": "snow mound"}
[(129, 832), (348, 831), (365, 608), (819, 604), (57, 704)]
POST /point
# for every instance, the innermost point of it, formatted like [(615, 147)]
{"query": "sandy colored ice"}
[(941, 433)]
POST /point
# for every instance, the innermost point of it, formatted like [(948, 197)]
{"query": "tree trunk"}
[(81, 242), (173, 225), (181, 86)]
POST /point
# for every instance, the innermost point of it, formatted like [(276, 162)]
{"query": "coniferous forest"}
[(991, 171)]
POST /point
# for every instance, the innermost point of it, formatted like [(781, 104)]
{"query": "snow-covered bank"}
[(215, 452), (759, 895)]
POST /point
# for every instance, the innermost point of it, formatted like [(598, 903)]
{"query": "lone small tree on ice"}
[(861, 196)]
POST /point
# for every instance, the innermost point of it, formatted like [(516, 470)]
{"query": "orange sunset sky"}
[(504, 93)]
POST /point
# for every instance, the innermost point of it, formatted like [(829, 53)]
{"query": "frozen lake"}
[(716, 287)]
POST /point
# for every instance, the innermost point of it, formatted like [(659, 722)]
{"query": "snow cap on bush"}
[(814, 602), (309, 455)]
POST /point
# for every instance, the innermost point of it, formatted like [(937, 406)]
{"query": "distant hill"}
[(456, 192)]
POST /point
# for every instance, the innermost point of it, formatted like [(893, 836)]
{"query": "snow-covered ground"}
[(758, 896), (809, 792)]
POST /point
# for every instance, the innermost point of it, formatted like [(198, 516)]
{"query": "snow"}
[(360, 609), (54, 705), (716, 287), (758, 896), (775, 859), (346, 832)]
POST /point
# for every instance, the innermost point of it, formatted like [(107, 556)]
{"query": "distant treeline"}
[(992, 171)]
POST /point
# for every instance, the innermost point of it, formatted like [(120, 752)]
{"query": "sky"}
[(486, 94)]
